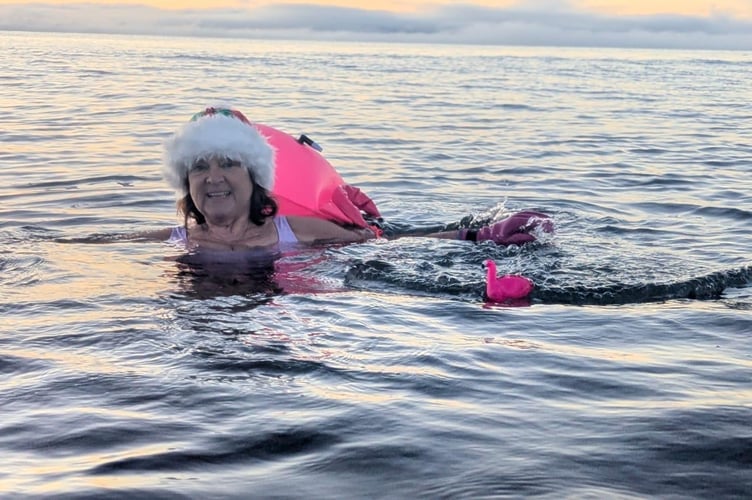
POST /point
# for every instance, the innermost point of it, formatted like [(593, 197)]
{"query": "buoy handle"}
[(304, 139)]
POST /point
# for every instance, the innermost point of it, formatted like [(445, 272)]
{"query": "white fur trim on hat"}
[(218, 135)]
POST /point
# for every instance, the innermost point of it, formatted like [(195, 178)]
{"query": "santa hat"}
[(218, 132)]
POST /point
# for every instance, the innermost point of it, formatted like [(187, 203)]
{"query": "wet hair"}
[(262, 205)]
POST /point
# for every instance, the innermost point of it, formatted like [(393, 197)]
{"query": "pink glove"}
[(362, 201), (514, 230), (353, 202)]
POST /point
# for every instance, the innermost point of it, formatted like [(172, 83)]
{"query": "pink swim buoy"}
[(306, 184)]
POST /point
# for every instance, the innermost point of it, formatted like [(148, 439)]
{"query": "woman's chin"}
[(219, 219), (217, 216), (220, 215)]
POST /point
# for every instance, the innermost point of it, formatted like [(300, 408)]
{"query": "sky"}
[(687, 24)]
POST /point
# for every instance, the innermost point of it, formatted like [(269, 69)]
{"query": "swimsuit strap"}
[(178, 235), (284, 231)]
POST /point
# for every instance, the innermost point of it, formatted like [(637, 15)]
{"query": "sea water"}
[(375, 370)]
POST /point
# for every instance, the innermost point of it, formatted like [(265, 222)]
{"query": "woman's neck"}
[(230, 231), (237, 235)]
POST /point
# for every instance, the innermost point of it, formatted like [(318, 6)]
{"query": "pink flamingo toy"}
[(505, 288)]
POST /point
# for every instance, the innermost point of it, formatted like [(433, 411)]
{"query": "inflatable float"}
[(306, 184)]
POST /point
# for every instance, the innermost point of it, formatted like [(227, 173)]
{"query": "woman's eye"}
[(228, 163), (200, 166)]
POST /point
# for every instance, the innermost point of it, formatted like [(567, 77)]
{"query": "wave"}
[(377, 275)]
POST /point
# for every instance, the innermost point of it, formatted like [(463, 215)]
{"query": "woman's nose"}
[(215, 173)]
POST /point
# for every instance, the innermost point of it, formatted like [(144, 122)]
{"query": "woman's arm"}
[(517, 229), (153, 235), (314, 230)]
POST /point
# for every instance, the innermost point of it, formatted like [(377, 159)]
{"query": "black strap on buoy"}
[(304, 139)]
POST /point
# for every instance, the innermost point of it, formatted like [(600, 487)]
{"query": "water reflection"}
[(259, 275)]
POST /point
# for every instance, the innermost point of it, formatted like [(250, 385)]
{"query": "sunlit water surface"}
[(375, 370)]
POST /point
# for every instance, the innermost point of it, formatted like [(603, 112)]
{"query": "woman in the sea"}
[(223, 171)]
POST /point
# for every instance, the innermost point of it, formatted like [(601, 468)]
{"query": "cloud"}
[(532, 22), (324, 19)]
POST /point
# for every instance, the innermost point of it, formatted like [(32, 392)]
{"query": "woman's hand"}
[(514, 230)]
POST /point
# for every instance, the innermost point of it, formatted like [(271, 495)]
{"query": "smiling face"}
[(221, 189)]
